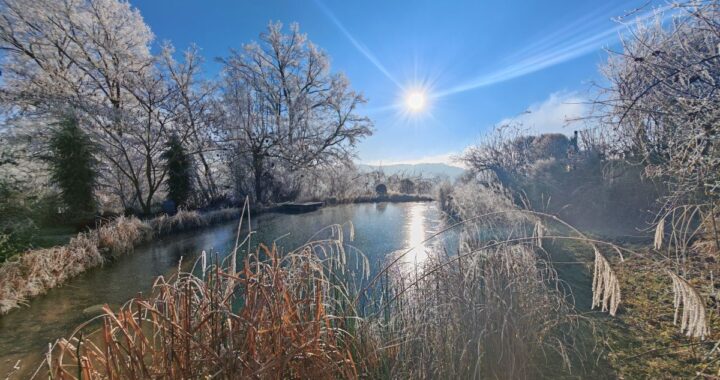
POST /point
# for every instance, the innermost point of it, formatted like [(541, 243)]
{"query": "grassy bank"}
[(34, 272)]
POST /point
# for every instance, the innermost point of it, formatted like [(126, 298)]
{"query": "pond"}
[(380, 229)]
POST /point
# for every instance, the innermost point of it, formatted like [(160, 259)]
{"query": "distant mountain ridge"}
[(425, 169)]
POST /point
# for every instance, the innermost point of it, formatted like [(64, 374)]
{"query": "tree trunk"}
[(258, 172)]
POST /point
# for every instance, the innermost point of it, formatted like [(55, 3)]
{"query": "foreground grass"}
[(643, 340), (495, 310)]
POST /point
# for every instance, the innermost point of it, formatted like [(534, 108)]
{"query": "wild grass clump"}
[(183, 220), (279, 316), (37, 271), (498, 313), (122, 235)]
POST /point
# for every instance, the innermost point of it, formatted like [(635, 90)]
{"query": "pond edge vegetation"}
[(36, 271)]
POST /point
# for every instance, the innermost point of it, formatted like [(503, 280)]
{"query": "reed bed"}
[(495, 308), (278, 316), (491, 315)]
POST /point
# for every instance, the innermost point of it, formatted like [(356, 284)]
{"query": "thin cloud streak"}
[(358, 45), (562, 52)]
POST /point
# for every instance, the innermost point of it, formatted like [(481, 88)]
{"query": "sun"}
[(415, 101)]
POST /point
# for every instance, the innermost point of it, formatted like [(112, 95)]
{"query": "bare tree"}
[(283, 107), (662, 105)]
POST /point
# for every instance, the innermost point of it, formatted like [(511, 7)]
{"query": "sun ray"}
[(357, 44)]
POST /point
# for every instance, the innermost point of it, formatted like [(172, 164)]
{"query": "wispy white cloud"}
[(552, 115), (556, 48)]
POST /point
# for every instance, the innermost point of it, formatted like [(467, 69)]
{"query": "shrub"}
[(381, 190)]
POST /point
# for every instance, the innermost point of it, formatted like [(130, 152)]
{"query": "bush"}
[(381, 190), (17, 228)]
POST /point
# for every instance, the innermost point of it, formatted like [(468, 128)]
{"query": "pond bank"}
[(36, 271), (24, 334)]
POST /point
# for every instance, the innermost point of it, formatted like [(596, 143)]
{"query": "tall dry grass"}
[(36, 271), (499, 313), (279, 316), (183, 220), (122, 235), (495, 308)]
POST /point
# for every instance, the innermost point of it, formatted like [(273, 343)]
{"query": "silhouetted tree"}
[(179, 172), (73, 167)]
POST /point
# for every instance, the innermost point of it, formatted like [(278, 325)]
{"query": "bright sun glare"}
[(415, 101)]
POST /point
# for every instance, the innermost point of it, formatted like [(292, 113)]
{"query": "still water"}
[(380, 229)]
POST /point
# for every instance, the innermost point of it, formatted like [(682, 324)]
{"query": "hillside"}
[(425, 169)]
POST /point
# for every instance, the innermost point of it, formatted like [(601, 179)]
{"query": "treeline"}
[(98, 116), (275, 111)]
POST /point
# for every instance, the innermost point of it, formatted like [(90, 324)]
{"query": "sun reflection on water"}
[(416, 230)]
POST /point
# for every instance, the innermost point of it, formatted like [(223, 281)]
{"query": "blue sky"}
[(480, 62)]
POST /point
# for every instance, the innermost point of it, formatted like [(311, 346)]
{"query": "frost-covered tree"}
[(196, 115), (663, 103), (94, 57), (662, 111), (284, 110)]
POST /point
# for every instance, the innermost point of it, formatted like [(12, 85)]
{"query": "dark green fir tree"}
[(73, 168), (179, 172)]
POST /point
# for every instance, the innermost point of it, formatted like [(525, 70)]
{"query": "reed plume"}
[(659, 234), (605, 286), (693, 321)]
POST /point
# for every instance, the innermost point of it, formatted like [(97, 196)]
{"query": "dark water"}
[(379, 230)]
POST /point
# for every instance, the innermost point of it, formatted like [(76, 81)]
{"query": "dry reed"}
[(605, 287), (36, 271), (280, 316), (693, 322)]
